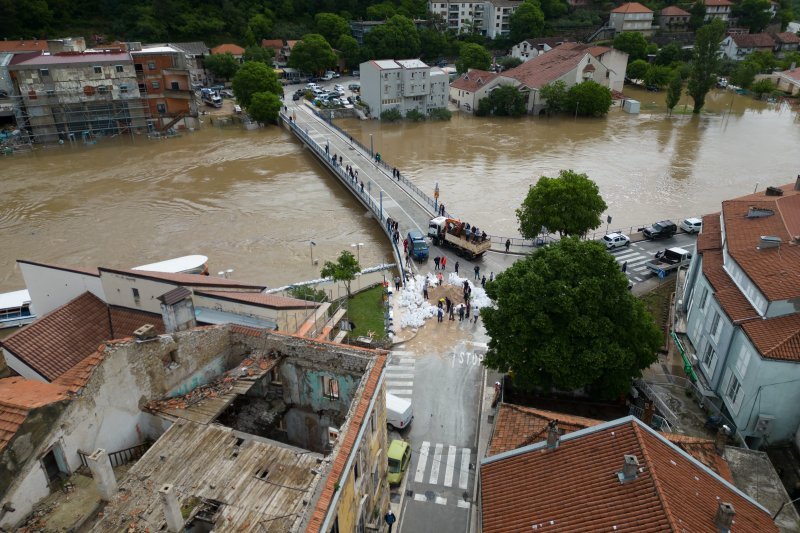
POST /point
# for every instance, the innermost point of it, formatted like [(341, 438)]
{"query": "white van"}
[(399, 413)]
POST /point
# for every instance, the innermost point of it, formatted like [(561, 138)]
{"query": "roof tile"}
[(632, 7), (473, 80), (18, 396), (547, 67)]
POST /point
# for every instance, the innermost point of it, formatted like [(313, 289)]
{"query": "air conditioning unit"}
[(333, 436), (764, 424)]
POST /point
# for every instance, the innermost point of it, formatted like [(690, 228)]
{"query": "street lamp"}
[(357, 246), (371, 147), (311, 245)]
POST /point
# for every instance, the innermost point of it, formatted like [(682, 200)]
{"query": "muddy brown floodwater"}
[(253, 201)]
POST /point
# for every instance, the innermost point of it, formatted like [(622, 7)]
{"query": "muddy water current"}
[(253, 201)]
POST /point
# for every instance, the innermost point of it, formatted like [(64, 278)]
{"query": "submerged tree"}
[(705, 62), (344, 269)]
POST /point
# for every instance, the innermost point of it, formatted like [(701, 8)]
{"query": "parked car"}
[(339, 87), (356, 74), (663, 229), (399, 412), (399, 456), (311, 86), (692, 225), (354, 86), (615, 240), (237, 109), (226, 93), (296, 97)]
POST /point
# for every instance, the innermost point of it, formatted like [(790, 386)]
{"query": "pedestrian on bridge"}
[(508, 244), (397, 283), (441, 210), (440, 313), (425, 290), (483, 282), (436, 263), (477, 272), (476, 312), (405, 246), (456, 267), (460, 312), (624, 267), (448, 303), (444, 262)]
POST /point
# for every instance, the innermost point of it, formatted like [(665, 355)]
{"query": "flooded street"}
[(253, 201)]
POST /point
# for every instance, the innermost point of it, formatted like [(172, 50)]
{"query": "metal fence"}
[(363, 195), (659, 422), (661, 405), (120, 457)]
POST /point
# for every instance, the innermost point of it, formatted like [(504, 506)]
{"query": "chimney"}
[(553, 437), (721, 439), (649, 411), (103, 474), (172, 511), (723, 520), (177, 310), (630, 469), (145, 333)]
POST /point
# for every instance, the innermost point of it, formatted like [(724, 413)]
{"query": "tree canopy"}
[(259, 53), (254, 77), (473, 56), (222, 65), (331, 26), (705, 62), (657, 76), (526, 21), (505, 101), (569, 205), (397, 39), (674, 90), (350, 51), (633, 43), (312, 54), (753, 14), (563, 317), (264, 107), (344, 269), (588, 99), (636, 69), (555, 96)]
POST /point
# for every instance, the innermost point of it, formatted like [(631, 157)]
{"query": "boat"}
[(15, 309), (188, 264)]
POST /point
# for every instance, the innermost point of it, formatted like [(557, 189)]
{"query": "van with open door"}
[(399, 413)]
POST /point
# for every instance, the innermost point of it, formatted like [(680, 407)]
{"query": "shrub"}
[(762, 87), (440, 113), (414, 115), (391, 115)]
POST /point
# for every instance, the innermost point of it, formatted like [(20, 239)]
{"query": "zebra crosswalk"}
[(442, 465), (400, 374), (636, 259)]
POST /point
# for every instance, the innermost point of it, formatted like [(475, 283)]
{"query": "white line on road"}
[(463, 504), (401, 392), (407, 360), (437, 459), (402, 352), (463, 477), (637, 278), (392, 376), (420, 498), (399, 383), (451, 463), (622, 257), (423, 462), (441, 501)]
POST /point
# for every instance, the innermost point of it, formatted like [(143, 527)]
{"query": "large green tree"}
[(697, 14), (397, 39), (254, 77), (350, 51), (312, 54), (526, 21), (264, 107), (657, 76), (555, 96), (633, 43), (636, 69), (344, 269), (331, 26), (705, 61), (563, 318), (505, 101), (221, 65), (473, 56), (259, 53), (753, 14), (588, 99), (674, 90), (569, 205)]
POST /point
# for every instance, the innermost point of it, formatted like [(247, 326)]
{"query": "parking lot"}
[(328, 86)]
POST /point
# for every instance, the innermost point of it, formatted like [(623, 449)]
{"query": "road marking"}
[(626, 254), (463, 477), (402, 352), (420, 498), (390, 376), (423, 461), (637, 278), (407, 360), (437, 458), (463, 504), (400, 383), (401, 392), (451, 463), (441, 501)]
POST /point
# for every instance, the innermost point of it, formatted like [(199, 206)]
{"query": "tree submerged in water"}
[(344, 269)]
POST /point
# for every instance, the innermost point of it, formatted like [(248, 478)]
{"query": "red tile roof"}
[(19, 396), (674, 11), (597, 51), (336, 473), (753, 40), (188, 280), (776, 338), (794, 74), (61, 339), (575, 488), (473, 80), (733, 302), (787, 38), (718, 3), (259, 298), (275, 44), (78, 376), (517, 426), (232, 49), (547, 67), (632, 7), (23, 46)]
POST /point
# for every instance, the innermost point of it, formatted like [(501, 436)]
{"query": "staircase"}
[(331, 324), (310, 325), (174, 121)]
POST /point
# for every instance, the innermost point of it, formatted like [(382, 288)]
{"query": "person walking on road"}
[(440, 278), (440, 314), (443, 262), (624, 267), (397, 283), (436, 263), (456, 267), (405, 246), (425, 290), (491, 276), (441, 210), (477, 272), (483, 282), (476, 312), (508, 244), (460, 312), (448, 303)]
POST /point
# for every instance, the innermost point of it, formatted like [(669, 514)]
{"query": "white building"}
[(718, 9), (490, 18), (403, 84), (530, 48), (632, 16), (742, 316)]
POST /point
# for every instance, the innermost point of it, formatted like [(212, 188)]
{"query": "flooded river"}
[(253, 201)]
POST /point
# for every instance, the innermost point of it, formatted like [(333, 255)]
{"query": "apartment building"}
[(489, 18), (164, 79), (403, 84), (632, 16)]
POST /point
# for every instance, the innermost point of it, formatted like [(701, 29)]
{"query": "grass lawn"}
[(366, 310), (657, 302)]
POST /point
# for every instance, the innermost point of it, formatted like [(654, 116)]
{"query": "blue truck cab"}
[(417, 246)]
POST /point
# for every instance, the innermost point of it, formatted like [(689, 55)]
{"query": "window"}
[(102, 89), (376, 470), (151, 65), (709, 358), (98, 69), (330, 388), (715, 326), (161, 108), (51, 92), (44, 72), (733, 391), (119, 68), (156, 84), (123, 88), (742, 362), (373, 421), (136, 297), (275, 376), (703, 298)]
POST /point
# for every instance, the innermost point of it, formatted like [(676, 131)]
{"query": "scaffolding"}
[(75, 117)]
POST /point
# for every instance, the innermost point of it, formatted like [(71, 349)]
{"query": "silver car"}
[(692, 225), (615, 240)]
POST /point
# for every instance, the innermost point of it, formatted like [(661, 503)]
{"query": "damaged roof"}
[(20, 396)]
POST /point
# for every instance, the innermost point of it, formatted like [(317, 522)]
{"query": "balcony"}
[(179, 94)]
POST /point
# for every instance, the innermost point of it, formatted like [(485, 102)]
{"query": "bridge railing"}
[(353, 185)]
